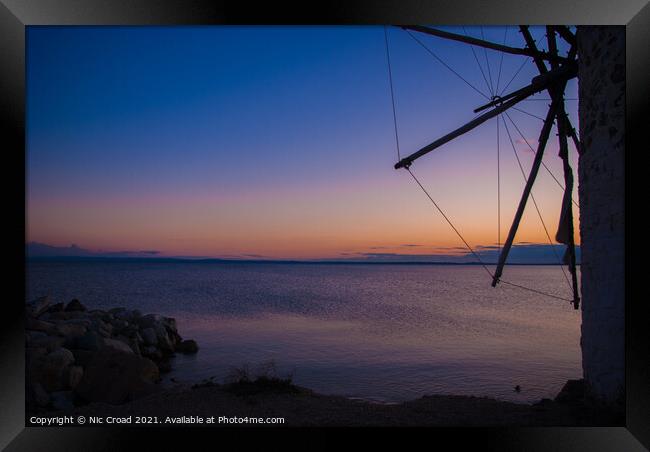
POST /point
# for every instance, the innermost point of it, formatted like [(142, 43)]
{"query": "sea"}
[(385, 333)]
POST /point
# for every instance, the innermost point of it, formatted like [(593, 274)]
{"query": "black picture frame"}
[(15, 15)]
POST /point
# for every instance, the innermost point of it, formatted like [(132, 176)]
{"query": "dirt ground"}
[(301, 407)]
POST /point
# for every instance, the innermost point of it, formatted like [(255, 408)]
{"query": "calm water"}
[(380, 332)]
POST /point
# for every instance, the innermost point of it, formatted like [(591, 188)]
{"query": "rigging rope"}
[(505, 34), (446, 65), (487, 62), (529, 114), (392, 95), (450, 223), (487, 84)]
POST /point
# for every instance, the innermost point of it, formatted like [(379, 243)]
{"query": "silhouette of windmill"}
[(554, 73)]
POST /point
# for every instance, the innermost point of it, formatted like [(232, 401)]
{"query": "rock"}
[(54, 367), (116, 310), (164, 343), (151, 352), (117, 345), (57, 307), (70, 330), (73, 376), (114, 377), (34, 358), (34, 354), (149, 336), (187, 347), (82, 357), (74, 305), (50, 343), (63, 315), (89, 341), (170, 324), (62, 400), (103, 328), (38, 306), (164, 366), (135, 346), (572, 392), (78, 321), (34, 335), (35, 324), (119, 324), (129, 316), (149, 320), (41, 397)]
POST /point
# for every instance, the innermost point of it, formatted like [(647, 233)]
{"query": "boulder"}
[(149, 336), (149, 320), (72, 376), (103, 328), (129, 316), (54, 368), (34, 354), (70, 330), (34, 358), (39, 394), (164, 366), (151, 352), (31, 336), (82, 357), (119, 324), (74, 305), (89, 341), (64, 315), (34, 324), (188, 346), (85, 321), (115, 377), (572, 392), (164, 343), (61, 400), (50, 343), (38, 306), (135, 346), (57, 307), (117, 345)]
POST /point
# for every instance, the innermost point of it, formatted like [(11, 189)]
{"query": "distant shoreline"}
[(170, 260)]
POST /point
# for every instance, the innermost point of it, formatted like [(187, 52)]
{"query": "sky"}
[(277, 142)]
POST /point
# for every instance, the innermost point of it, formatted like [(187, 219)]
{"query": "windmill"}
[(554, 73)]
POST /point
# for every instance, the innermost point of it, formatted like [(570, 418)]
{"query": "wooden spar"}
[(539, 83), (572, 134), (567, 205), (543, 138), (566, 34), (482, 43), (530, 43)]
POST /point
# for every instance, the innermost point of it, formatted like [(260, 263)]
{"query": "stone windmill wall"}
[(601, 52)]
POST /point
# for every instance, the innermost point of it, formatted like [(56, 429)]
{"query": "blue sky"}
[(276, 141)]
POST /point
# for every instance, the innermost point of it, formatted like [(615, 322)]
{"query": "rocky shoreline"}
[(75, 356)]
